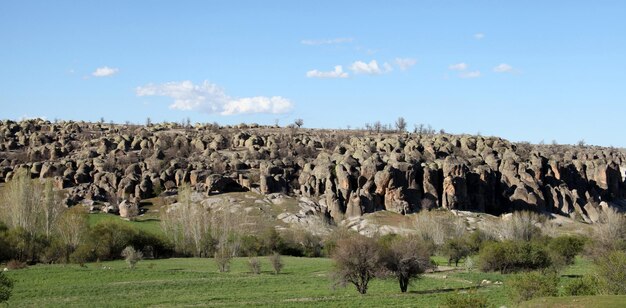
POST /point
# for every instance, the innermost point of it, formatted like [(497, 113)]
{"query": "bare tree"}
[(377, 126), (188, 225), (226, 228), (20, 202), (357, 260), (298, 122), (72, 229), (407, 258), (401, 125), (418, 128), (52, 207)]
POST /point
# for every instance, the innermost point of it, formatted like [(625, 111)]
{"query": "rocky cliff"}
[(348, 172)]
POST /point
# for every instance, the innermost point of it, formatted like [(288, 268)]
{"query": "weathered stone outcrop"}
[(347, 173)]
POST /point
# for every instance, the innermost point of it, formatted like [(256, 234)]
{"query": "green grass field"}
[(193, 282), (577, 302), (196, 282)]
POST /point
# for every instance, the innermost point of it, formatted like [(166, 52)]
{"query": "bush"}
[(152, 246), (223, 258), (456, 250), (277, 263), (469, 300), (611, 273), (513, 256), (109, 238), (83, 254), (26, 246), (16, 265), (530, 285), (564, 249), (585, 286), (6, 250), (251, 246), (132, 256), (56, 252), (475, 241), (407, 258), (6, 287), (255, 265)]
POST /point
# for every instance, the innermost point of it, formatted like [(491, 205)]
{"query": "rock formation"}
[(347, 173)]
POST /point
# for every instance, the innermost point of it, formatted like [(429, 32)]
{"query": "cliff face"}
[(349, 172)]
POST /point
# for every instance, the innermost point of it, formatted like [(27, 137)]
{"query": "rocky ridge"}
[(342, 174)]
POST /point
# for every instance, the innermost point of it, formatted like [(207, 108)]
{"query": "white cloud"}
[(258, 104), (405, 63), (105, 71), (210, 98), (503, 68), (337, 73), (371, 68), (458, 67), (479, 36), (472, 74), (339, 40)]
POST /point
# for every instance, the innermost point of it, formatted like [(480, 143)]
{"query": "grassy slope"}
[(146, 224), (196, 282)]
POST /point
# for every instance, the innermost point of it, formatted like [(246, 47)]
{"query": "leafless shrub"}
[(277, 263), (610, 233), (16, 265), (255, 265), (437, 226), (132, 256), (223, 257), (522, 225)]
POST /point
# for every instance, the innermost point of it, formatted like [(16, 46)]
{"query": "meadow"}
[(196, 282)]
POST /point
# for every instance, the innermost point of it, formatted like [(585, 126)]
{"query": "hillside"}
[(334, 174)]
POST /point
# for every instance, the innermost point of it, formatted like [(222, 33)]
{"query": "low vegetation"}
[(6, 287)]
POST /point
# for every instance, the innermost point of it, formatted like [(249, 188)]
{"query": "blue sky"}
[(522, 70)]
